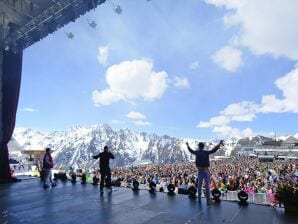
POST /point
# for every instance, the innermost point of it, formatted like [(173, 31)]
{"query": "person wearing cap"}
[(104, 165), (48, 165), (203, 163)]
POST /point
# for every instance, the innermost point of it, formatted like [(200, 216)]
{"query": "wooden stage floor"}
[(27, 202)]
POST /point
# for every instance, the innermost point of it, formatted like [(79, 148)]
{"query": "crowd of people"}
[(238, 173)]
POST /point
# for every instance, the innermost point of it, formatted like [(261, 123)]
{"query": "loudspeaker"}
[(183, 191), (60, 176), (116, 183)]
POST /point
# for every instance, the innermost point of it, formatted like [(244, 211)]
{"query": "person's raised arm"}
[(97, 156), (112, 156), (216, 147), (190, 149)]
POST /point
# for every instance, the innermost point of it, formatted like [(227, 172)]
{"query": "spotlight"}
[(171, 189), (117, 9), (70, 35), (95, 180), (92, 24), (243, 197), (135, 185), (63, 177), (152, 186), (73, 178), (192, 190), (216, 194), (83, 178), (116, 183)]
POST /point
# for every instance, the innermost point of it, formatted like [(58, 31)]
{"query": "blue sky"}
[(202, 69)]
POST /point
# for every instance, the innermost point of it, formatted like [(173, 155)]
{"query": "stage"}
[(28, 202)]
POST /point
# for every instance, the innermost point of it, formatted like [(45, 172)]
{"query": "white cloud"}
[(106, 97), (142, 123), (243, 111), (131, 80), (29, 109), (228, 58), (265, 27), (117, 122), (288, 85), (248, 110), (102, 56), (181, 82), (270, 104), (136, 115), (228, 131), (204, 124), (194, 65)]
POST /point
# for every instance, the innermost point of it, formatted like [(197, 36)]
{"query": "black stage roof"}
[(28, 202), (24, 22)]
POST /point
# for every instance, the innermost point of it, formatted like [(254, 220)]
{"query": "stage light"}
[(63, 177), (92, 24), (73, 178), (152, 186), (192, 190), (243, 197), (216, 194), (171, 189), (117, 9), (83, 178), (95, 180), (135, 185), (70, 35), (161, 189)]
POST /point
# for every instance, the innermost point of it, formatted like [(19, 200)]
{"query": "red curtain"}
[(11, 80)]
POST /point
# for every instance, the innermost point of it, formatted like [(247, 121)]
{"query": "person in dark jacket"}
[(203, 163), (104, 165)]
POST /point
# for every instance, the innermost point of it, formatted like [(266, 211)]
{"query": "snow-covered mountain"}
[(76, 146)]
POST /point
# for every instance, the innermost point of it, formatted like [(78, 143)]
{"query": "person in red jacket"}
[(48, 164)]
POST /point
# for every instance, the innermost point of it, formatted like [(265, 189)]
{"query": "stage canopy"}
[(24, 22)]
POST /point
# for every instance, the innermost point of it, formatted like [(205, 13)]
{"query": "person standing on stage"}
[(203, 163), (104, 165), (48, 165)]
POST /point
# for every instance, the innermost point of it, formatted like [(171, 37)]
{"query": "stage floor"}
[(28, 202)]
